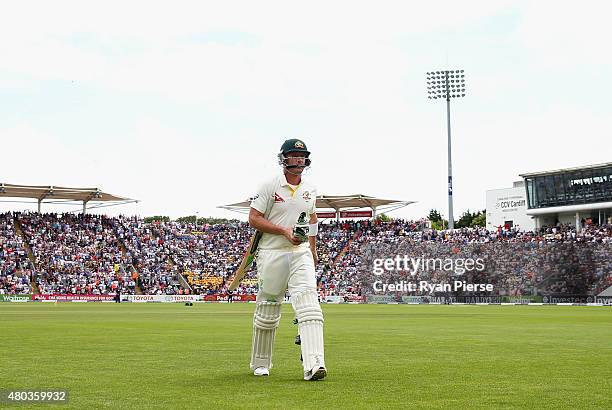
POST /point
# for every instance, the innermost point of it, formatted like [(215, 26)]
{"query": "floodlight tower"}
[(447, 84)]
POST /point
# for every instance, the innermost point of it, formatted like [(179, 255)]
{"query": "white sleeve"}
[(261, 200), (313, 206)]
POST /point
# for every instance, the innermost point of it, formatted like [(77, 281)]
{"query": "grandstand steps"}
[(131, 269), (182, 280), (343, 251), (34, 284), (181, 275), (29, 252), (184, 283), (137, 289), (26, 242)]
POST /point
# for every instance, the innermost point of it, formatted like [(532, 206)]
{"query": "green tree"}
[(439, 225), (159, 218), (480, 219), (434, 216), (383, 218), (465, 220), (191, 219)]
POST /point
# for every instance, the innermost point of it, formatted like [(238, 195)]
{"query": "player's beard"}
[(292, 170)]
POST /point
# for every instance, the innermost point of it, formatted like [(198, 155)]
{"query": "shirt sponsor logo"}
[(306, 196)]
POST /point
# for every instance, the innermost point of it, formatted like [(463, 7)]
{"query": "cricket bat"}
[(247, 261)]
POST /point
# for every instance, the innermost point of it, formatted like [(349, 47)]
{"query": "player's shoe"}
[(317, 373), (262, 371)]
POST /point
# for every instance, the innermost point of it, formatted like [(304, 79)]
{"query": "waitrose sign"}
[(15, 298)]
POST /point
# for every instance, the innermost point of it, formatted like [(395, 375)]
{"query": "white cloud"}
[(188, 101), (563, 34)]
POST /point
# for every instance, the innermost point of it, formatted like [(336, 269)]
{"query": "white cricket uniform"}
[(280, 264)]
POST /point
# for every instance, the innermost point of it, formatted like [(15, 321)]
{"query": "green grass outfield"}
[(378, 356)]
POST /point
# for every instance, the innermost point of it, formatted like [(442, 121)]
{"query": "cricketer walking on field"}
[(284, 210)]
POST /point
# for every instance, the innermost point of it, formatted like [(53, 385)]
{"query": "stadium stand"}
[(89, 254), (76, 254), (15, 267), (149, 259)]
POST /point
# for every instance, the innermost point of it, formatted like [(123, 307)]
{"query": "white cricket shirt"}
[(287, 203)]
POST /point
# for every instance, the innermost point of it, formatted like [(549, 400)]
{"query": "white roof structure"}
[(62, 195), (563, 170), (339, 202)]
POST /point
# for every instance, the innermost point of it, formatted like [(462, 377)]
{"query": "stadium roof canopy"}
[(61, 195), (339, 202), (564, 170)]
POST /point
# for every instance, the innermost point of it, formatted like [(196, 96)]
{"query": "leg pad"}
[(310, 323), (265, 321)]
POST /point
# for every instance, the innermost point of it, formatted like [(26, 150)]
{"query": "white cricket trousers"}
[(284, 268)]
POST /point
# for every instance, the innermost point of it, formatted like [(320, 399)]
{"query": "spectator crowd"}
[(92, 254), (14, 265), (76, 254)]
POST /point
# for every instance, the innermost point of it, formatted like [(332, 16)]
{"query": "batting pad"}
[(310, 323), (265, 321)]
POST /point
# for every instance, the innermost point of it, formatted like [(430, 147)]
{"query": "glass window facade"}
[(569, 188)]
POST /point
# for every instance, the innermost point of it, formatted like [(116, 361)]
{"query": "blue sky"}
[(183, 105)]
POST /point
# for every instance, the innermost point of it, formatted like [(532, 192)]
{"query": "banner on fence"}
[(15, 298), (604, 300), (187, 298), (234, 298), (70, 298), (161, 298)]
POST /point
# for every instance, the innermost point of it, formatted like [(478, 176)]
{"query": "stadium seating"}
[(76, 254), (94, 254), (14, 264)]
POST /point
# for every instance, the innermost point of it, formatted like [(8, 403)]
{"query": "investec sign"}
[(604, 300)]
